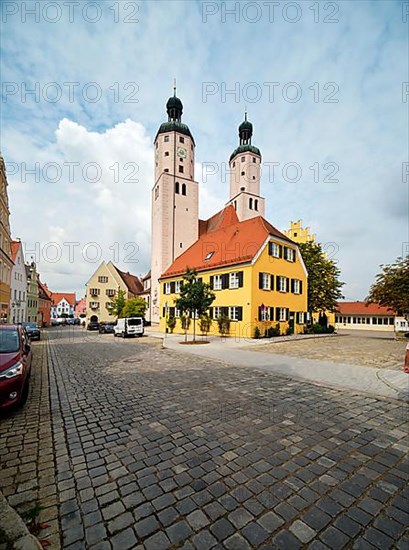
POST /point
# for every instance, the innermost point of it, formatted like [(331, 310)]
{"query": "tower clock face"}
[(182, 152)]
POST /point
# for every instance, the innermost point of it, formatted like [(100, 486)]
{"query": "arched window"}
[(183, 188), (251, 203), (256, 204), (177, 187)]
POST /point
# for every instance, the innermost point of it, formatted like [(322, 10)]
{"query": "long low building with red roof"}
[(365, 316)]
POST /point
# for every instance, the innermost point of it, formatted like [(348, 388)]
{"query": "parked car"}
[(33, 330), (15, 366), (107, 328), (129, 326), (70, 321), (93, 325)]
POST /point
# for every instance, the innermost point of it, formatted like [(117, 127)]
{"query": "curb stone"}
[(14, 534)]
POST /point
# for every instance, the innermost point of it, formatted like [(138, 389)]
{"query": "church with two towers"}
[(255, 271)]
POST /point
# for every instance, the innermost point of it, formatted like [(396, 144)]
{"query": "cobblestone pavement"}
[(158, 449), (359, 350)]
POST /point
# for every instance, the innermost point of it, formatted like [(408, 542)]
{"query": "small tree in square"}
[(195, 297)]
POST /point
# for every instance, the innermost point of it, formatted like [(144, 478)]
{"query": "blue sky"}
[(355, 55)]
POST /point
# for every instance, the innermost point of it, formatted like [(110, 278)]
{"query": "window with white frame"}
[(167, 288), (177, 312), (234, 313), (265, 281), (217, 282), (177, 287), (265, 314), (275, 250), (282, 314), (217, 312), (234, 280), (289, 254), (102, 279), (301, 318), (296, 286), (282, 284)]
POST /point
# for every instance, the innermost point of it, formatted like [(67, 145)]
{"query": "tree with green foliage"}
[(135, 307), (324, 286), (195, 297), (391, 287), (117, 304), (185, 323)]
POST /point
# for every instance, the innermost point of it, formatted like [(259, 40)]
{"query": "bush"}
[(223, 323), (257, 333), (288, 331), (171, 323), (331, 329), (273, 331), (205, 323)]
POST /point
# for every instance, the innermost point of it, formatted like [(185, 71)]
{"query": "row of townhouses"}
[(23, 296)]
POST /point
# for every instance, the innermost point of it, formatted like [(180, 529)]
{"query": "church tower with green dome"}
[(175, 196), (245, 164)]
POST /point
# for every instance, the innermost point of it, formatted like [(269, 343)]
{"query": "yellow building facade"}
[(299, 234), (267, 290), (6, 263), (102, 288)]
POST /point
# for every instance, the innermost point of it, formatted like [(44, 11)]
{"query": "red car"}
[(15, 366)]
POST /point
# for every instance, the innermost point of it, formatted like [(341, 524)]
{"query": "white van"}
[(129, 326)]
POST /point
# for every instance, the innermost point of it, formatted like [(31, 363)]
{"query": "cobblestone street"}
[(381, 352), (127, 445)]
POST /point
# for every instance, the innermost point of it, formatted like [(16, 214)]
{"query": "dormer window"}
[(181, 139), (166, 139), (209, 255)]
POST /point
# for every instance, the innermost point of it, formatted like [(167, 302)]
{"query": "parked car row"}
[(65, 321), (129, 326)]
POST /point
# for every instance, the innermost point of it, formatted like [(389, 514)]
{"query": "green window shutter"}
[(260, 280), (277, 313), (240, 313), (212, 282), (172, 288), (270, 248), (225, 280), (241, 277), (271, 314), (259, 313), (300, 287), (280, 247), (287, 284), (292, 285), (271, 282)]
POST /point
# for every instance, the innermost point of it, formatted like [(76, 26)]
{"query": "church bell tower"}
[(175, 196), (245, 164)]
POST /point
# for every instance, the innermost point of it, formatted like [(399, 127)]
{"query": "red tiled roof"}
[(14, 249), (44, 293), (363, 308), (232, 242), (58, 296), (132, 282)]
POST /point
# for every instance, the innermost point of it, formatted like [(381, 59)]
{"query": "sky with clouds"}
[(323, 86)]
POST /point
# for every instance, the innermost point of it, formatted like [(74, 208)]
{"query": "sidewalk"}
[(387, 383)]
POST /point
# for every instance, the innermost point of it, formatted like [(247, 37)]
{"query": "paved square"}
[(128, 445)]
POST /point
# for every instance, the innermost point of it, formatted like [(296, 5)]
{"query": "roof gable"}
[(225, 244)]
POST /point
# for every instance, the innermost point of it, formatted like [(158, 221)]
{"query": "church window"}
[(180, 245), (177, 187), (251, 203), (166, 153), (166, 170), (183, 188), (254, 159), (166, 139), (254, 177), (234, 164), (181, 139), (181, 169), (242, 159), (243, 173), (256, 204)]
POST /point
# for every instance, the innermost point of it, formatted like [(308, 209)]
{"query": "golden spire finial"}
[(174, 87), (245, 112)]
